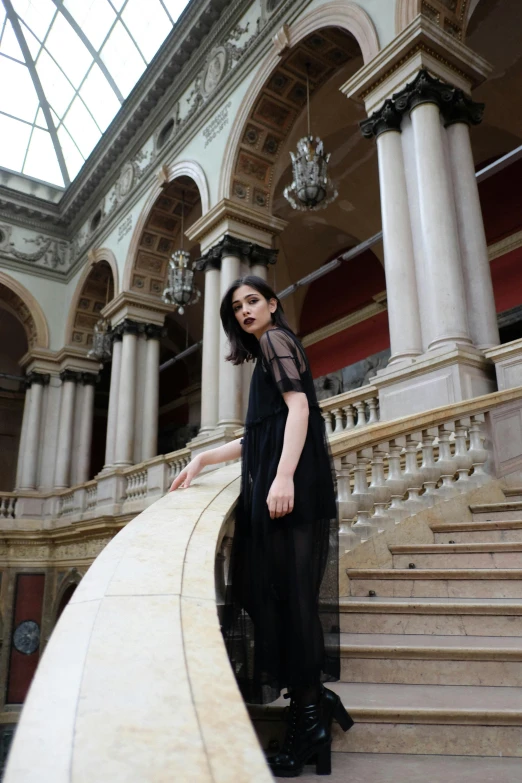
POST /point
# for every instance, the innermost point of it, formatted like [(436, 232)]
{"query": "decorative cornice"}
[(454, 105), (420, 45)]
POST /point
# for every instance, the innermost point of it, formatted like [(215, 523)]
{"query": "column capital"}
[(89, 379), (455, 106), (385, 119), (240, 248), (140, 308), (37, 377), (70, 375), (128, 326), (154, 332)]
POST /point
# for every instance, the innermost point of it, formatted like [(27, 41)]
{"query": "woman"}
[(282, 596)]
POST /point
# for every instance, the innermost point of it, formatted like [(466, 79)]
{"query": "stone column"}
[(112, 414), (230, 376), (62, 469), (151, 395), (126, 395), (210, 264), (23, 435), (399, 259), (482, 316), (83, 457), (441, 249), (29, 469)]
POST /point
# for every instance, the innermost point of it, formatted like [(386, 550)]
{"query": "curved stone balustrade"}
[(7, 505), (135, 683)]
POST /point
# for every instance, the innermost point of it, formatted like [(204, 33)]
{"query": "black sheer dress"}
[(281, 614)]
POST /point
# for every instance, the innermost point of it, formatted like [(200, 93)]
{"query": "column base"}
[(436, 379), (508, 364)]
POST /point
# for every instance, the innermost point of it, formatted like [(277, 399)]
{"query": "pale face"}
[(252, 311)]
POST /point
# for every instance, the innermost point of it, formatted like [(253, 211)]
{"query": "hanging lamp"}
[(311, 188), (181, 291), (101, 349)]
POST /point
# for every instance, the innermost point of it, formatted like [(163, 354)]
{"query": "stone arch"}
[(166, 178), (329, 25), (66, 587), (17, 299), (90, 297), (452, 20)]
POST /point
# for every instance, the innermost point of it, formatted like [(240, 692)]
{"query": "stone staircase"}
[(431, 658)]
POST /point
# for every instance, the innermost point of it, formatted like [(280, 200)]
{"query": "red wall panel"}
[(349, 346), (506, 273), (28, 605)]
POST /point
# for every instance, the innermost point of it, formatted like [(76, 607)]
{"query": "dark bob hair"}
[(244, 347)]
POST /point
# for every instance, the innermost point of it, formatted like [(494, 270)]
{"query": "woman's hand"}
[(280, 499), (184, 478)]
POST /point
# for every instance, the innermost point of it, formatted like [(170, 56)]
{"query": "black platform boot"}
[(307, 737), (333, 708)]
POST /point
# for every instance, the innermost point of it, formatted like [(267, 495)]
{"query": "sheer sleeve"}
[(282, 358)]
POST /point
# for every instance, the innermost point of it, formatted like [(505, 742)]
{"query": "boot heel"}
[(342, 717), (323, 764)]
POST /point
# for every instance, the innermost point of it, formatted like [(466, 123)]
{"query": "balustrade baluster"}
[(350, 416), (429, 469), (346, 503), (381, 493), (373, 403), (363, 527), (339, 426), (412, 476), (361, 413), (477, 452), (395, 482), (446, 462), (462, 457), (327, 416)]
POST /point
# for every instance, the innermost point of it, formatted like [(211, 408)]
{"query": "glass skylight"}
[(66, 66)]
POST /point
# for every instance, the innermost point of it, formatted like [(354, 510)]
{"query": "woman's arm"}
[(226, 453), (280, 499)]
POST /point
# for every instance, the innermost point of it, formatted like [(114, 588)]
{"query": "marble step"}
[(417, 719), (478, 532), (510, 509), (448, 616), (474, 555), (431, 660), (386, 767), (433, 582), (513, 493)]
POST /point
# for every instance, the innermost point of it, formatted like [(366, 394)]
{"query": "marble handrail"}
[(135, 683)]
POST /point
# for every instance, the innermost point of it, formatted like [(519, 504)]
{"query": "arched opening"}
[(341, 317), (65, 598), (22, 326), (95, 292), (179, 411), (493, 31)]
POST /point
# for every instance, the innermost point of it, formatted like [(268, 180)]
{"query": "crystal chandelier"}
[(311, 185), (181, 291)]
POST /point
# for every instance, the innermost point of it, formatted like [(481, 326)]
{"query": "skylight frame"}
[(33, 45)]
